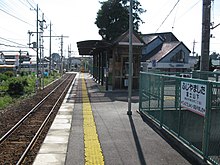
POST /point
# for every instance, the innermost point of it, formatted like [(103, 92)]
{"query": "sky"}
[(75, 19)]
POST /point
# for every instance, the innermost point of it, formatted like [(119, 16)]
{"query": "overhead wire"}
[(188, 10), (15, 17), (174, 20), (31, 3), (168, 15), (5, 6), (11, 41), (213, 25), (10, 9), (11, 32), (28, 6), (6, 45)]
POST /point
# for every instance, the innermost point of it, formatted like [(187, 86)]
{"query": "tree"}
[(197, 66), (214, 56), (113, 18), (211, 68)]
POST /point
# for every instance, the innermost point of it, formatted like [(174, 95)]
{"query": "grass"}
[(6, 99)]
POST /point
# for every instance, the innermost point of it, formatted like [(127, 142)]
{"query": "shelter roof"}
[(88, 47), (124, 39)]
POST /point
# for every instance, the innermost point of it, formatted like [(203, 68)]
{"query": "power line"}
[(11, 32), (174, 21), (31, 4), (168, 15), (11, 41), (13, 46), (190, 8), (11, 9), (215, 26), (7, 7), (15, 17), (28, 6)]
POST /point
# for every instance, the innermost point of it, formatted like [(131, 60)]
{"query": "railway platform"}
[(92, 127)]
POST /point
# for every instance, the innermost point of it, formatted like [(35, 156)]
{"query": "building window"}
[(179, 57)]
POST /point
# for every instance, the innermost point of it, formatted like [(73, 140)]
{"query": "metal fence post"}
[(161, 100), (149, 90), (207, 120), (140, 91), (178, 104)]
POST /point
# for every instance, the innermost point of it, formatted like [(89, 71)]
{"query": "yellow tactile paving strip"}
[(93, 151)]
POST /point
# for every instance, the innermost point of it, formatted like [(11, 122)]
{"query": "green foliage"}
[(9, 73), (211, 68), (197, 66), (12, 88), (30, 85), (5, 101), (3, 87), (16, 86), (113, 18), (3, 77), (54, 74), (22, 74)]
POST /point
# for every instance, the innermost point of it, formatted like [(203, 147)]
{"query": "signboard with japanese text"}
[(193, 97)]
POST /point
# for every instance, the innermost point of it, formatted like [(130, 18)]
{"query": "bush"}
[(5, 101), (9, 73), (16, 87), (3, 77), (30, 86), (22, 74)]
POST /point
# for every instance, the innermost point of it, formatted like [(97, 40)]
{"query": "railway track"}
[(20, 144)]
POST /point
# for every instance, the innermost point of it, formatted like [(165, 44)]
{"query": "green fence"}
[(189, 108)]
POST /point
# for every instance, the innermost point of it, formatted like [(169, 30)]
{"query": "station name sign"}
[(193, 97)]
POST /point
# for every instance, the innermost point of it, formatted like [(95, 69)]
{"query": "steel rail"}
[(31, 144), (28, 114)]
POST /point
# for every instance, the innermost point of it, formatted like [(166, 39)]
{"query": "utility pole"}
[(37, 47), (50, 52), (204, 65), (61, 49), (69, 55), (61, 54), (194, 43), (42, 50)]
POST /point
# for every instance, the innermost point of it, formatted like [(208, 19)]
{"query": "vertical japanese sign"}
[(193, 97)]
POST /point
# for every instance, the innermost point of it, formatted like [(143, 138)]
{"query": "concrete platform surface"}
[(124, 139)]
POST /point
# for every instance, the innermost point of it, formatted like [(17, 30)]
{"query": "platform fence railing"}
[(188, 108)]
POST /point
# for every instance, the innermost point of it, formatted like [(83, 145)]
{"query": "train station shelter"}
[(110, 65)]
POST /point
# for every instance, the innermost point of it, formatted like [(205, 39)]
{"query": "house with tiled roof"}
[(164, 52)]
